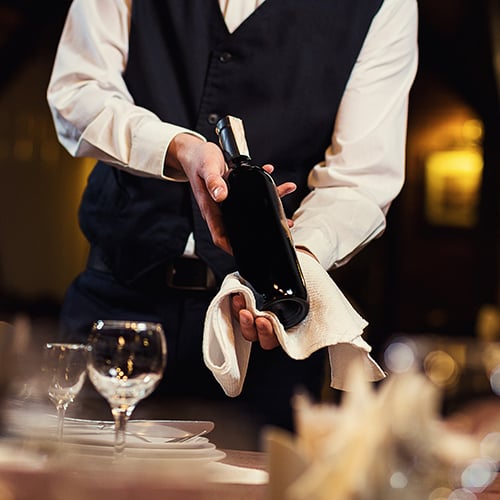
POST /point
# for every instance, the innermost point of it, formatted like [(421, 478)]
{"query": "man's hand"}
[(204, 165)]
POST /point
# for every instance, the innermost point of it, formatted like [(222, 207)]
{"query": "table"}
[(240, 475), (44, 485), (73, 473), (66, 484)]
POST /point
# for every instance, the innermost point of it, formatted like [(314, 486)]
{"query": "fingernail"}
[(216, 192), (246, 321)]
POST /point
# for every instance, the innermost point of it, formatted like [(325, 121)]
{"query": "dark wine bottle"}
[(258, 230)]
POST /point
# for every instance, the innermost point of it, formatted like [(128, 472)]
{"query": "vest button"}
[(213, 118), (225, 57)]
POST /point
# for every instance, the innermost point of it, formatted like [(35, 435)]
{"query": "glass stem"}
[(121, 416), (61, 413)]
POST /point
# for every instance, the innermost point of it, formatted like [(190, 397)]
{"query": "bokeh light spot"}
[(399, 357)]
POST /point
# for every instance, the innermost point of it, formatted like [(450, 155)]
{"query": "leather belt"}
[(189, 273), (183, 273)]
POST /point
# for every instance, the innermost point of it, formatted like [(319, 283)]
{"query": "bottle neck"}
[(239, 161), (232, 140)]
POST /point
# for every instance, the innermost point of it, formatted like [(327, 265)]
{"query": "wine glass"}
[(65, 366), (125, 364)]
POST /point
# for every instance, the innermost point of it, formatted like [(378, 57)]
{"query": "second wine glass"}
[(64, 366), (125, 364)]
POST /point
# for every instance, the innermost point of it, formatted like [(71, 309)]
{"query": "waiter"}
[(322, 87)]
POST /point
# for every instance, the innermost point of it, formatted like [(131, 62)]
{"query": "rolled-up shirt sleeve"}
[(93, 111), (364, 167)]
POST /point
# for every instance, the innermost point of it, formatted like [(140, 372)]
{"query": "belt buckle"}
[(189, 273)]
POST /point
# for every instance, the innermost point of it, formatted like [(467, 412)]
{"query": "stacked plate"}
[(146, 439), (179, 440)]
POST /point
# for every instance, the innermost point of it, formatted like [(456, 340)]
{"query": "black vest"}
[(283, 71)]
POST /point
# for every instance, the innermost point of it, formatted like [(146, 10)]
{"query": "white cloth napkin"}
[(368, 446), (332, 322)]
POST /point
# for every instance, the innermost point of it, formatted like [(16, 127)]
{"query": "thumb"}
[(216, 186)]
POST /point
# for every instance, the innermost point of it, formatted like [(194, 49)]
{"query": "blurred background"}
[(435, 270)]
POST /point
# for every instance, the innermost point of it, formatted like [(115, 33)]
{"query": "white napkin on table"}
[(332, 322), (387, 443)]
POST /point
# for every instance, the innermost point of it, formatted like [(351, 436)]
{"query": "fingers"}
[(260, 330), (286, 188), (210, 170), (253, 329), (265, 334), (216, 186), (205, 170), (210, 210), (247, 325), (283, 189)]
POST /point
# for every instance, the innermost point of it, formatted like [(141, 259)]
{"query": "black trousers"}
[(188, 389)]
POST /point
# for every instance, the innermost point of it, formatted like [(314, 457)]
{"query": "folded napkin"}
[(386, 443), (332, 322)]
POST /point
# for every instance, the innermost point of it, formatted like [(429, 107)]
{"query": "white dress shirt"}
[(363, 170)]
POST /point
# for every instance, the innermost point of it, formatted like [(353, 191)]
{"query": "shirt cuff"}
[(314, 239), (149, 149)]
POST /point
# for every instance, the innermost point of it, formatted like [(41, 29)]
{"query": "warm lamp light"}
[(452, 187)]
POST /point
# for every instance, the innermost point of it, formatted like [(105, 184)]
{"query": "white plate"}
[(140, 433), (145, 439), (208, 452), (159, 428)]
